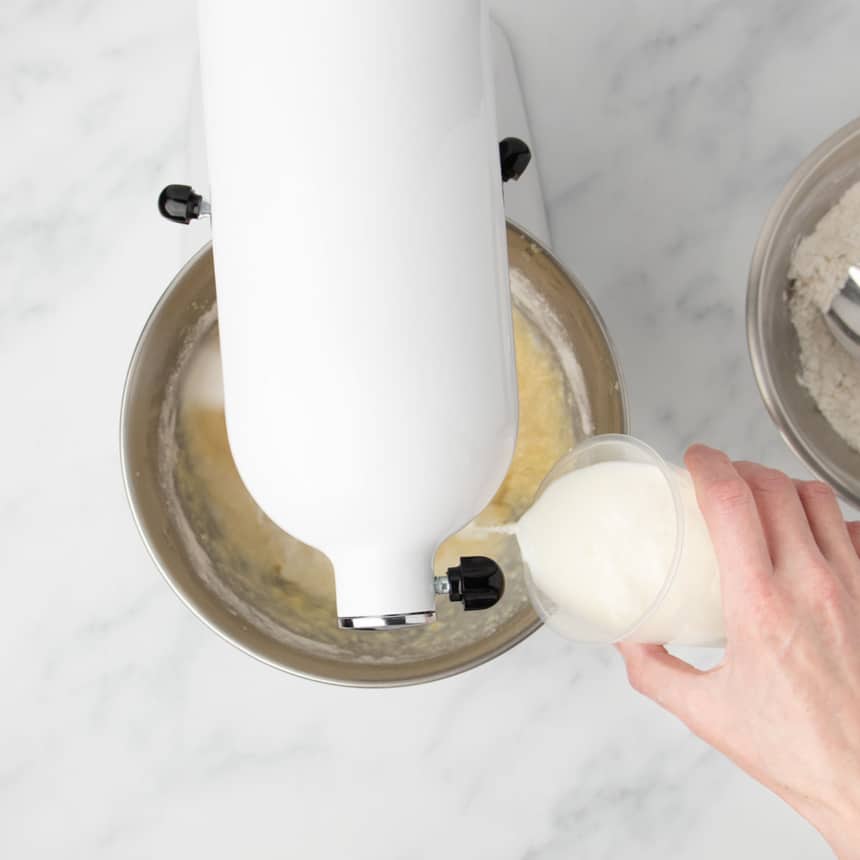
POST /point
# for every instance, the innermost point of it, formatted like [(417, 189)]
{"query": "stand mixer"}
[(395, 154)]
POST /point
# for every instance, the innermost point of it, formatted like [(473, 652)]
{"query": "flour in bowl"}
[(819, 267)]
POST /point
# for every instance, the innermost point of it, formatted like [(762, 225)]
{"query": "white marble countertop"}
[(664, 130)]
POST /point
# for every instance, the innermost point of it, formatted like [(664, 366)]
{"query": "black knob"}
[(180, 203), (478, 583), (515, 157)]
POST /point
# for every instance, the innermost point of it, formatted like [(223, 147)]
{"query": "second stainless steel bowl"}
[(814, 188)]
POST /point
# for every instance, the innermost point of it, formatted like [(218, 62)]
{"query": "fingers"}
[(827, 525), (788, 534), (670, 682), (732, 517)]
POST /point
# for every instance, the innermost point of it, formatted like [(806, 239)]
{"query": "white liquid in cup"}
[(616, 548)]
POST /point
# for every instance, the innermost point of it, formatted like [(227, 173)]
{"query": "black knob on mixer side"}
[(515, 156), (478, 583), (181, 203)]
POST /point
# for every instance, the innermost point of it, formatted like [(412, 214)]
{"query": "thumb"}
[(670, 682)]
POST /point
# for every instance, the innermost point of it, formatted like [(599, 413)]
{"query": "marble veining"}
[(664, 132)]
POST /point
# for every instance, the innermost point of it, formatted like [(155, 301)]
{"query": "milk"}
[(601, 545)]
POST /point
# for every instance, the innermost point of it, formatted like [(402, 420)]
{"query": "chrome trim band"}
[(384, 622)]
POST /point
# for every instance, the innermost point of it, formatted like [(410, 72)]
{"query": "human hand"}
[(784, 704)]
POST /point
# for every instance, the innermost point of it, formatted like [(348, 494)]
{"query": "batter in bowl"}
[(548, 416)]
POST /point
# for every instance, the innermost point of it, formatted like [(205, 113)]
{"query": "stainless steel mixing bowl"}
[(267, 608), (814, 188)]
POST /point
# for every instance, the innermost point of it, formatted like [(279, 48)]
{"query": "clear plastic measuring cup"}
[(673, 598)]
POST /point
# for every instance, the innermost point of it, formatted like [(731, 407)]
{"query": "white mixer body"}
[(370, 382)]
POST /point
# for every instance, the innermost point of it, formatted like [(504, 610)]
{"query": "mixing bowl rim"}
[(190, 601), (759, 359)]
